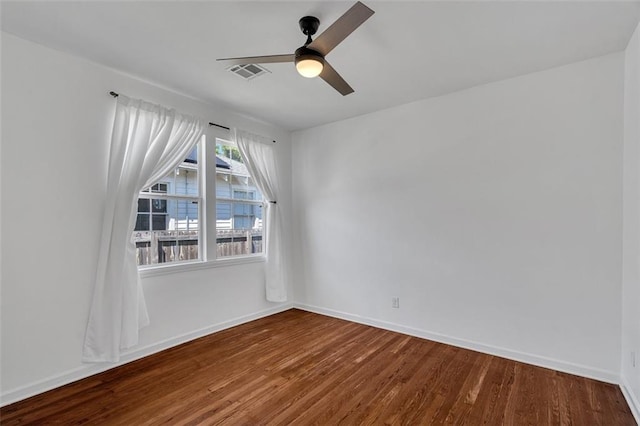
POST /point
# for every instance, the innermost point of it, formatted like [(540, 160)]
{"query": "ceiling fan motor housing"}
[(304, 52)]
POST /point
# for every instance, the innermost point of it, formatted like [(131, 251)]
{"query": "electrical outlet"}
[(395, 302), (633, 359)]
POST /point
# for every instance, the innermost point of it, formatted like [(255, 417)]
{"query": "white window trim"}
[(206, 203), (196, 265)]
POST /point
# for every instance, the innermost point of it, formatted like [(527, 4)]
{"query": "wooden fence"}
[(153, 247)]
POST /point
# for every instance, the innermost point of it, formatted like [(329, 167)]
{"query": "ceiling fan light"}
[(309, 63), (309, 67)]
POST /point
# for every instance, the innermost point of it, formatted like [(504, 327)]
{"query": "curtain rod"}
[(115, 95)]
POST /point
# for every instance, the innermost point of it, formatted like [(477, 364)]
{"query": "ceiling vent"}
[(248, 71)]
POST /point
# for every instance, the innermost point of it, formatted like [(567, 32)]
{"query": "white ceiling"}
[(405, 52)]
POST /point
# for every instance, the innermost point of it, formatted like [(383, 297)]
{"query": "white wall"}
[(631, 226), (494, 214), (57, 117)]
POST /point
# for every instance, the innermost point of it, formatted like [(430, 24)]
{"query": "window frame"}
[(207, 200)]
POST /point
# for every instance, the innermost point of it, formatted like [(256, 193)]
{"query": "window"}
[(167, 228), (152, 213), (238, 205)]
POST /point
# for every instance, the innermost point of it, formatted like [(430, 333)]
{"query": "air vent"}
[(248, 71)]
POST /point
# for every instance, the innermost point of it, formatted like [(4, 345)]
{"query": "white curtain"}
[(148, 141), (260, 161)]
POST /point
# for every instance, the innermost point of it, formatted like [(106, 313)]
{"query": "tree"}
[(229, 152)]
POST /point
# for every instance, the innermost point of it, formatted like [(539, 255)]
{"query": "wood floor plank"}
[(300, 368)]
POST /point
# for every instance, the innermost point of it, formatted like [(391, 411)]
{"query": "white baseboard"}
[(540, 361), (87, 370), (632, 399)]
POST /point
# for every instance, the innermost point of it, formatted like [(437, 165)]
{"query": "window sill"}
[(152, 271)]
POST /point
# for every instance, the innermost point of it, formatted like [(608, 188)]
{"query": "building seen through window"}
[(169, 212)]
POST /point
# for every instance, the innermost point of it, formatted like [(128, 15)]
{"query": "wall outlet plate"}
[(395, 302)]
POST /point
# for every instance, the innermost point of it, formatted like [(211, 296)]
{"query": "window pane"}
[(167, 228), (142, 222), (159, 222), (240, 195), (159, 188), (249, 193), (143, 205), (174, 233), (159, 206), (238, 224), (242, 234)]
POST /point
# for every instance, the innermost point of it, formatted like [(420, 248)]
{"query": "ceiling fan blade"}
[(340, 29), (259, 59), (332, 77)]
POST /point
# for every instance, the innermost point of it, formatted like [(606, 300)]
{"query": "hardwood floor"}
[(301, 368)]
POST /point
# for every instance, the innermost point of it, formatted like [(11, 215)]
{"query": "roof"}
[(222, 163), (236, 167)]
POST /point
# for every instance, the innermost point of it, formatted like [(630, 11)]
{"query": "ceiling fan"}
[(310, 59)]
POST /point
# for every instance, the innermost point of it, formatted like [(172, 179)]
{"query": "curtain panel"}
[(148, 141), (258, 156)]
